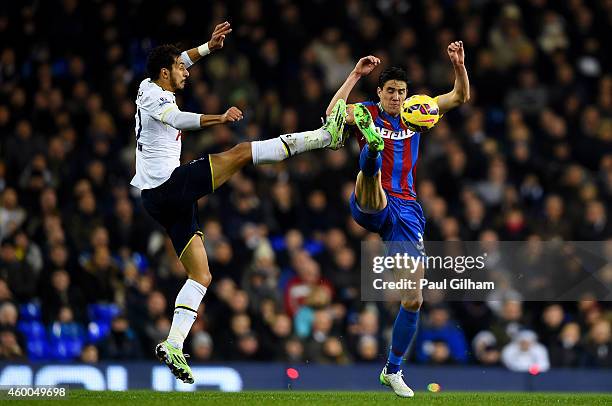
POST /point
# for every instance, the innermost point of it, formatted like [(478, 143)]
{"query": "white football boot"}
[(396, 382)]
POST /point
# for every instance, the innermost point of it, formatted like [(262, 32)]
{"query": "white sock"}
[(280, 148), (185, 311), (268, 151)]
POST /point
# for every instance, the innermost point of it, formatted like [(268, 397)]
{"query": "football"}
[(420, 113)]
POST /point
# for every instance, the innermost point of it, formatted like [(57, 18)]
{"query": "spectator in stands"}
[(318, 299), (598, 345), (567, 349), (8, 323), (29, 252), (486, 351), (322, 325), (491, 190), (35, 177), (17, 274), (595, 226), (12, 215), (240, 325), (202, 347), (89, 354), (260, 280), (99, 279), (509, 323), (9, 347), (333, 352), (553, 224), (67, 336), (8, 316), (127, 227), (156, 331), (367, 349), (61, 294), (345, 275), (525, 353), (360, 333), (474, 220), (58, 259), (151, 326), (5, 293), (83, 220), (294, 351), (224, 259), (99, 238), (139, 288), (284, 210), (54, 231), (122, 342), (308, 276), (439, 340), (553, 317), (280, 332), (239, 302), (248, 348)]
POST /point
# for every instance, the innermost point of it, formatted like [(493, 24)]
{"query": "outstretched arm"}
[(363, 68), (231, 115), (183, 120), (215, 42), (461, 91)]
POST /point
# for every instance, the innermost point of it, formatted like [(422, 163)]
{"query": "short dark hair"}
[(393, 73), (160, 57)]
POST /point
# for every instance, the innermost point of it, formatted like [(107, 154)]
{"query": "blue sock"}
[(403, 330), (369, 161)]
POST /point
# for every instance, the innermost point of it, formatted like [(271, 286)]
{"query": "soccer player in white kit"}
[(170, 190)]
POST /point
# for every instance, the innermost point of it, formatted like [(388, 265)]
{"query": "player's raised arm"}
[(461, 91), (363, 68), (193, 55), (168, 73)]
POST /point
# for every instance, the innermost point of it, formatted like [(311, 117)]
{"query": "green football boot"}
[(363, 121), (174, 358), (334, 125)]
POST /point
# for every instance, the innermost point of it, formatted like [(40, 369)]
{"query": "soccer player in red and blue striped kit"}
[(385, 196)]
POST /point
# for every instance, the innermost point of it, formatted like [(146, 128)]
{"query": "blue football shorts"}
[(401, 221)]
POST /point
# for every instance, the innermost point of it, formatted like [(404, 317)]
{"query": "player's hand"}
[(366, 65), (218, 36), (232, 114), (455, 52)]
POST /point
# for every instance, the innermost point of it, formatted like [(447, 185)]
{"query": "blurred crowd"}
[(529, 157)]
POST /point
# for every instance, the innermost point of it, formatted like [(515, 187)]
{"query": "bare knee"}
[(243, 153), (238, 156), (412, 304), (203, 277)]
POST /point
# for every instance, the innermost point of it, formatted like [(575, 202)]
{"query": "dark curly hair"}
[(393, 73), (160, 57)]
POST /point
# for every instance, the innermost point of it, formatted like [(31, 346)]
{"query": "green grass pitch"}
[(150, 398)]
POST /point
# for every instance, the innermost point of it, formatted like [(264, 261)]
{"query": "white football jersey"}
[(158, 145)]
